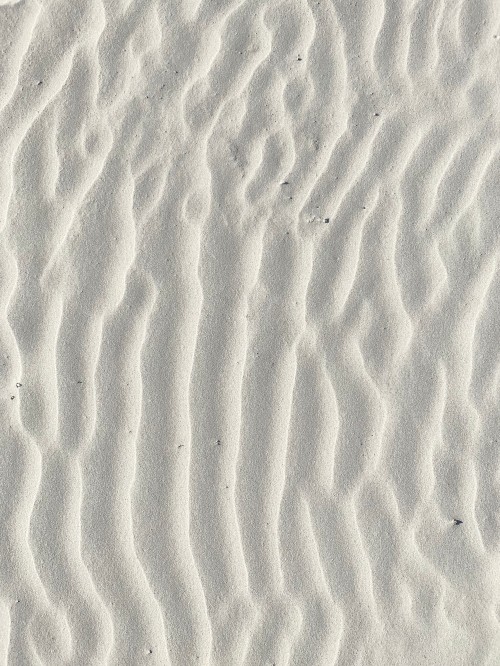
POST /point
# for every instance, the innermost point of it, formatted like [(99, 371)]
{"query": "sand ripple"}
[(249, 334)]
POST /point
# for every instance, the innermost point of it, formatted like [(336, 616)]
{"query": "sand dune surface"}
[(249, 332)]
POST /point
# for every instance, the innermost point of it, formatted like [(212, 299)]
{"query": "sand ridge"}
[(249, 312)]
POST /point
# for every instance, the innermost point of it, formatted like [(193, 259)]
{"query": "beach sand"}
[(249, 332)]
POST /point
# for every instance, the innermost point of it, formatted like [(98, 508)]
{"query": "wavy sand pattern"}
[(249, 333)]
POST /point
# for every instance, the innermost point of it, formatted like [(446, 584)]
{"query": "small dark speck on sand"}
[(79, 381), (39, 83), (299, 58), (327, 220), (12, 397), (376, 114), (18, 385), (150, 651), (285, 182), (218, 442), (456, 521)]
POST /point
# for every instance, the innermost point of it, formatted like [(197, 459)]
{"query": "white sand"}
[(249, 333)]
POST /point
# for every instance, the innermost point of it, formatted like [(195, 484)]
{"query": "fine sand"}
[(250, 332)]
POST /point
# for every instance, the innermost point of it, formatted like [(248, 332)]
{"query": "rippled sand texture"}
[(249, 332)]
